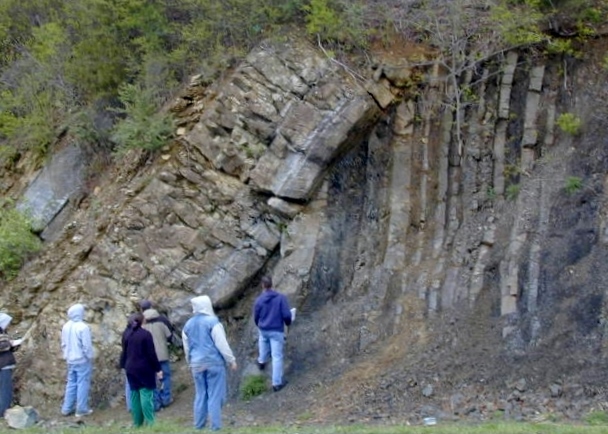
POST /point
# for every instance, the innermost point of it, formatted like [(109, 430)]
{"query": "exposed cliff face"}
[(415, 258)]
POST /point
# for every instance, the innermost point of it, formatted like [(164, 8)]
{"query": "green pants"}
[(142, 406)]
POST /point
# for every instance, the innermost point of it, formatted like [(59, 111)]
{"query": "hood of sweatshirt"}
[(150, 314), (268, 295), (76, 312), (202, 304), (5, 320)]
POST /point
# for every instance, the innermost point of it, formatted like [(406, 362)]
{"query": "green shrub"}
[(512, 191), (518, 22), (573, 184), (17, 241), (491, 193), (337, 21), (562, 46), (323, 19), (569, 123), (144, 125), (252, 386)]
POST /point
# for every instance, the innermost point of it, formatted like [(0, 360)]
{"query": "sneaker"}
[(261, 366), (279, 387), (86, 413)]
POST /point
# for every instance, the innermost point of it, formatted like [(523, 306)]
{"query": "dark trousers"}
[(6, 390)]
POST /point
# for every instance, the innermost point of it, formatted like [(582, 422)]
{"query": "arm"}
[(150, 353), (186, 346), (256, 314), (219, 339), (285, 311), (122, 362), (63, 343), (167, 323), (167, 332), (86, 343)]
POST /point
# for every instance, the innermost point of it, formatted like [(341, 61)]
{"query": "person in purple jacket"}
[(271, 314), (141, 364)]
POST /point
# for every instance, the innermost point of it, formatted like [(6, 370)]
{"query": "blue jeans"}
[(6, 390), (270, 344), (162, 397), (77, 388), (210, 395)]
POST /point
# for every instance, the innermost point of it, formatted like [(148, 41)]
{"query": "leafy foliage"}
[(252, 386), (512, 191), (17, 241), (569, 123), (144, 126), (60, 59), (573, 184), (518, 22)]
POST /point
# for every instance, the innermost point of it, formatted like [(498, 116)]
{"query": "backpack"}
[(5, 343)]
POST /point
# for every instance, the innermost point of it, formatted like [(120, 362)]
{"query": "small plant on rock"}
[(573, 184), (569, 123), (143, 125), (17, 241), (512, 191), (491, 193), (253, 385)]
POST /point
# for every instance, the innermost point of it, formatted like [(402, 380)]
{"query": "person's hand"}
[(233, 366), (159, 375)]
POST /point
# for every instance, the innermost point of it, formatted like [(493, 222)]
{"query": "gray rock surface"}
[(413, 258), (18, 417)]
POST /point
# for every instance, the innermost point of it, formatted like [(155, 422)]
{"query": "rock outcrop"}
[(391, 236)]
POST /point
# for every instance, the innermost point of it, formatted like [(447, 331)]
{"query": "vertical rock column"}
[(400, 184), (508, 285), (503, 121), (477, 179), (529, 143), (525, 211), (426, 289)]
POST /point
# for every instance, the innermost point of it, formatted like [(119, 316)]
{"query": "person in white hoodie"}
[(77, 349), (207, 353)]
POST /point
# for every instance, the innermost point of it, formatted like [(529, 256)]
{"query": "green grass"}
[(440, 428), (253, 385)]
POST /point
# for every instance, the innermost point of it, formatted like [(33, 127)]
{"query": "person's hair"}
[(145, 305), (136, 320), (266, 282)]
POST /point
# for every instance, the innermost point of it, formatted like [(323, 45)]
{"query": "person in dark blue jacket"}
[(271, 314)]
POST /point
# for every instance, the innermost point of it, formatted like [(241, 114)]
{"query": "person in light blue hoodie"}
[(207, 353), (77, 349)]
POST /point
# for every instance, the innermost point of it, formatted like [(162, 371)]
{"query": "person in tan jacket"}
[(161, 334)]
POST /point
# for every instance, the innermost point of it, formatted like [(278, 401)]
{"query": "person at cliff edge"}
[(77, 348), (271, 313), (207, 353), (7, 363)]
